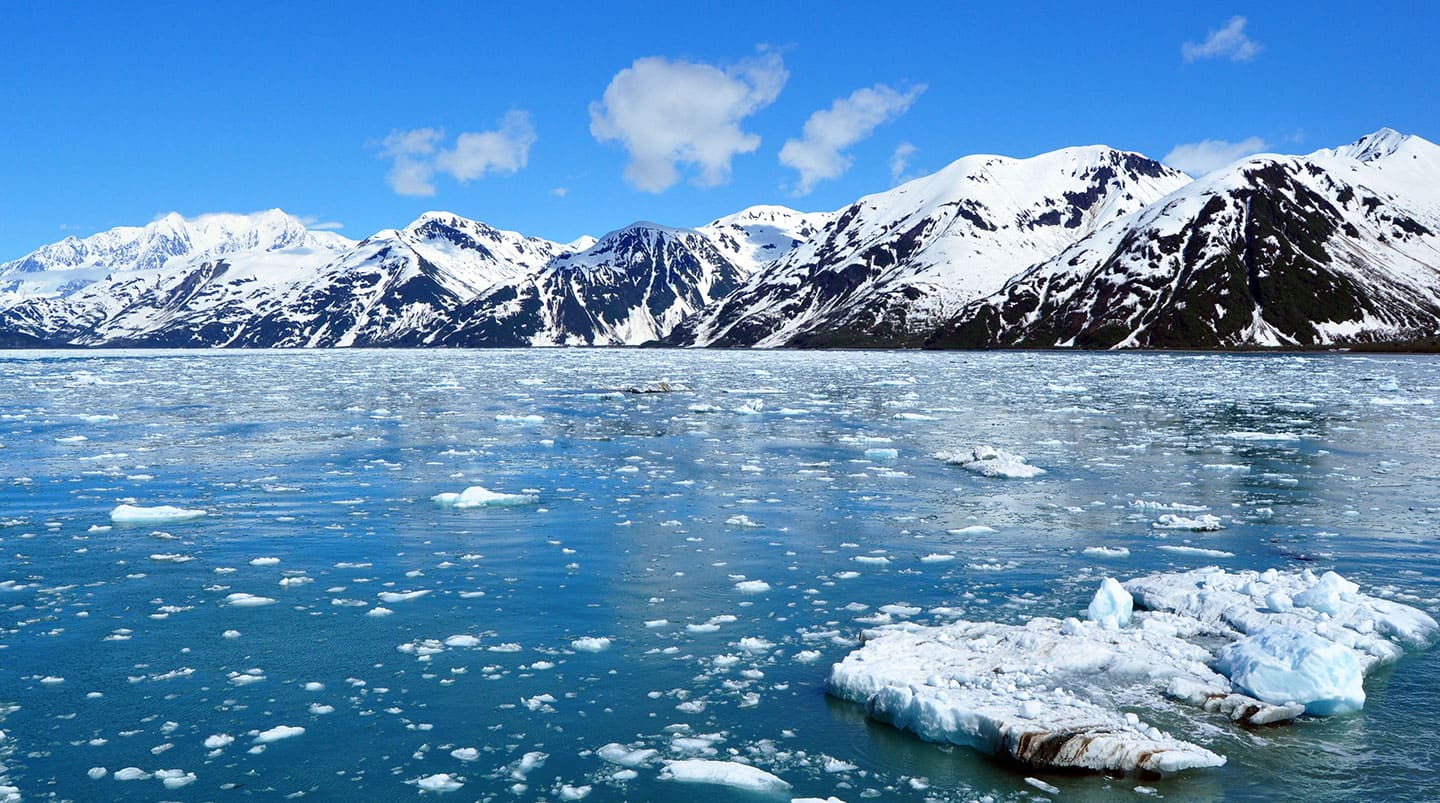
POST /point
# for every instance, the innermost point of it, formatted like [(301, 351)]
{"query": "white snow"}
[(991, 462), (477, 496), (724, 773), (135, 514)]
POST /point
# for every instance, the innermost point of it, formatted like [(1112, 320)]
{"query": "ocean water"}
[(692, 564)]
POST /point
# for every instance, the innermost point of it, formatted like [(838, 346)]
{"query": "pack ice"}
[(1047, 692)]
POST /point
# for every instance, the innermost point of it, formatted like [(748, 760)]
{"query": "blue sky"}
[(566, 119)]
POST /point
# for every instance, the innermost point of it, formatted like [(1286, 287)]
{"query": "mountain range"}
[(1084, 247)]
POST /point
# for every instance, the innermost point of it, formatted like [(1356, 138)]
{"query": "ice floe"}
[(988, 461), (477, 496), (135, 514), (724, 773), (1046, 692)]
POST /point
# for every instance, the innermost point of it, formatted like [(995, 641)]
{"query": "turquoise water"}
[(317, 469)]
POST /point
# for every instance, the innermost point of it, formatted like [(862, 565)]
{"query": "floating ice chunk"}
[(95, 774), (1379, 630), (591, 644), (439, 782), (882, 454), (752, 586), (242, 600), (1023, 691), (378, 611), (402, 596), (1205, 522), (465, 754), (264, 561), (1282, 665), (1196, 550), (277, 733), (568, 792), (132, 774), (530, 418), (134, 514), (462, 640), (988, 461), (175, 779), (724, 773), (742, 520), (655, 387), (625, 756), (1112, 605), (218, 741), (1327, 595), (1107, 552), (476, 496)]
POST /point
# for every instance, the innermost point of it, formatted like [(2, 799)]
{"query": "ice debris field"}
[(622, 575)]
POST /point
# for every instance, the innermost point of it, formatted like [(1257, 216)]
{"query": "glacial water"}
[(691, 566)]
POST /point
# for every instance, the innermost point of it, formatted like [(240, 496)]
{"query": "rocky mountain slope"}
[(1340, 246)]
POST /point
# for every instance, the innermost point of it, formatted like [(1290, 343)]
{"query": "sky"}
[(558, 120)]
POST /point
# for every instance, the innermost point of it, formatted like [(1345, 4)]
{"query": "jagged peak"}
[(1374, 146), (761, 213)]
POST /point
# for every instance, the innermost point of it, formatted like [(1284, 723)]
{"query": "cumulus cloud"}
[(1229, 42), (673, 114), (818, 156), (418, 155), (900, 160), (1199, 158)]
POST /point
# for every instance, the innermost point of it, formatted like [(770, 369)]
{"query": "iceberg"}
[(1046, 693), (988, 461), (724, 773), (134, 514), (1283, 665), (476, 496)]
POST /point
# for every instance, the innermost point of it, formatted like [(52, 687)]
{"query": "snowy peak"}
[(891, 266), (754, 237), (1376, 146), (1271, 251), (150, 247)]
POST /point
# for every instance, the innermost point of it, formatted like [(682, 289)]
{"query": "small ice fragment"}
[(477, 496), (591, 644), (243, 600), (724, 773), (465, 754), (277, 733), (624, 756), (135, 514), (265, 562), (752, 586), (439, 782), (218, 741), (988, 461)]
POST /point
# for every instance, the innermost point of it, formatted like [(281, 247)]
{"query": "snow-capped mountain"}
[(1341, 246), (631, 287), (755, 237), (890, 267), (64, 267)]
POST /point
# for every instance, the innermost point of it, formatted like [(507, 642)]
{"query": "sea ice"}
[(724, 773), (134, 514), (591, 644), (988, 461), (1282, 665), (1112, 605), (277, 733), (439, 782), (1203, 523), (477, 496)]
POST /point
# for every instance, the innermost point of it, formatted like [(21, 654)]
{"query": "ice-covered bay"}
[(662, 610)]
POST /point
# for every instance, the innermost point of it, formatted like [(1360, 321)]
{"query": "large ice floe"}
[(988, 461), (1256, 647), (135, 514)]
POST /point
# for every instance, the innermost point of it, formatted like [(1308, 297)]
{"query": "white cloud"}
[(560, 192), (817, 155), (502, 151), (1199, 158), (669, 114), (900, 160), (418, 156), (1229, 42), (314, 223)]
